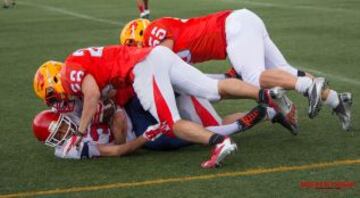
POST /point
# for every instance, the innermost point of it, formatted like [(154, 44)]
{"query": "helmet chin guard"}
[(64, 106), (60, 130)]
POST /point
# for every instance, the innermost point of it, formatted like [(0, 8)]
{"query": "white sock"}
[(332, 100), (227, 129), (303, 84), (270, 113)]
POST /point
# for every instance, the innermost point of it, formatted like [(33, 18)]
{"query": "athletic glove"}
[(155, 131)]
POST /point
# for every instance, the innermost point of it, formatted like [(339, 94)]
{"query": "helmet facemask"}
[(60, 131), (58, 101)]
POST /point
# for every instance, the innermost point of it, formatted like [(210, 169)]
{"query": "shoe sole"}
[(278, 94), (315, 109), (224, 154), (347, 127)]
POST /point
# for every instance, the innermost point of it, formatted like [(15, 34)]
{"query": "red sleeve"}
[(155, 33), (72, 76)]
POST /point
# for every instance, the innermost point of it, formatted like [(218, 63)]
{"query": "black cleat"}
[(256, 115), (281, 119)]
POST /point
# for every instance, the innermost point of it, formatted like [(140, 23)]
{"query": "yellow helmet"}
[(133, 32), (47, 83)]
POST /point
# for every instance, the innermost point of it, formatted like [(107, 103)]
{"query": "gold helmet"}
[(47, 83), (133, 32)]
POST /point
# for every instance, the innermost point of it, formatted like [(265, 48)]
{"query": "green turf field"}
[(320, 36)]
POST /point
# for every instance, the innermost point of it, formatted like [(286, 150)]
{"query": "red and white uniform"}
[(160, 75), (96, 133), (198, 110), (153, 73), (108, 65), (241, 35), (195, 40)]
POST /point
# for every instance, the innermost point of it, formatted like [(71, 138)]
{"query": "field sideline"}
[(319, 36), (258, 171)]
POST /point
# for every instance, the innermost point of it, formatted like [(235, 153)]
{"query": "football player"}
[(55, 130), (241, 36), (132, 35), (48, 76), (154, 74), (143, 6), (9, 3)]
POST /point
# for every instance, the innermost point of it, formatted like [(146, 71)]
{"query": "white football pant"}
[(160, 75), (249, 47)]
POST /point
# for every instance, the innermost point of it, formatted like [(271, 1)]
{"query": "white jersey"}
[(95, 134)]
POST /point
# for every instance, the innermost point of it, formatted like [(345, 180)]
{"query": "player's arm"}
[(123, 149), (169, 43), (91, 97), (158, 34), (150, 134)]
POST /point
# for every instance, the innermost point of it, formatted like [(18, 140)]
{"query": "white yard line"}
[(73, 14), (82, 16), (333, 76), (287, 6)]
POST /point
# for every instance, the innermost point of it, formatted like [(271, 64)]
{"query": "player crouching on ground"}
[(154, 73)]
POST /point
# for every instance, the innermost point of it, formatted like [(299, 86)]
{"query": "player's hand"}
[(105, 111), (76, 138), (155, 131), (73, 142)]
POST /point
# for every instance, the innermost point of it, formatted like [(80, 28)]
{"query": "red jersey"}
[(195, 40), (108, 65)]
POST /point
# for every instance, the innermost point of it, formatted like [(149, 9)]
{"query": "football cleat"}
[(218, 154), (256, 115), (281, 119), (343, 110), (145, 14), (286, 112), (314, 96)]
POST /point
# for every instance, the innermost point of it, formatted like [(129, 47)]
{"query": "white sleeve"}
[(217, 76), (66, 151)]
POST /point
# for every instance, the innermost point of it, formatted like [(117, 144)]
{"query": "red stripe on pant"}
[(207, 119), (162, 108)]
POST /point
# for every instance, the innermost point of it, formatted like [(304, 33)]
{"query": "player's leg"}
[(156, 95), (245, 45), (198, 110), (153, 86), (6, 4), (141, 6), (280, 72), (144, 9), (189, 80), (243, 26)]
